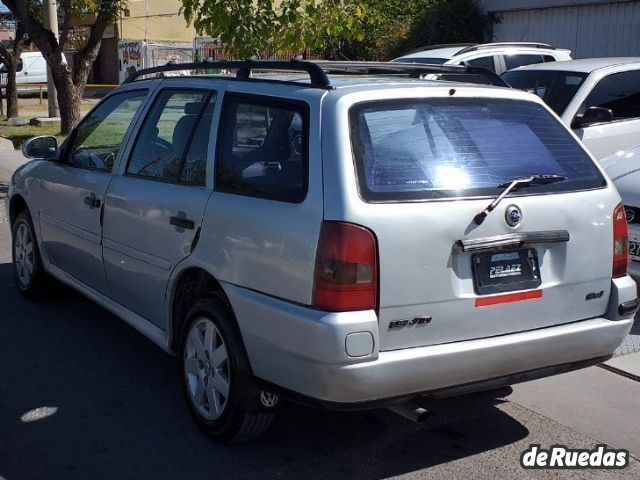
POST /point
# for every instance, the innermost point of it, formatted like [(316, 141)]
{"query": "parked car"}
[(599, 98), (497, 57), (31, 69), (623, 168), (349, 241)]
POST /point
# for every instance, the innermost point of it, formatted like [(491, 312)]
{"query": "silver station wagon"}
[(342, 235)]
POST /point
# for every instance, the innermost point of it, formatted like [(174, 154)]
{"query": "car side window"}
[(173, 141), (483, 62), (97, 140), (619, 92), (262, 148), (520, 60)]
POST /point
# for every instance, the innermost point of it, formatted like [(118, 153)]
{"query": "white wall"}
[(596, 30), (488, 6)]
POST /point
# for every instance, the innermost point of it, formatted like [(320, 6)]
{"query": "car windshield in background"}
[(430, 60), (462, 147), (554, 87)]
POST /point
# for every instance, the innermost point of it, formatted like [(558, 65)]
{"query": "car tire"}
[(29, 273), (216, 375)]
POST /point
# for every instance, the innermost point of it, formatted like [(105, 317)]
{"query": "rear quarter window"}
[(263, 148), (434, 148)]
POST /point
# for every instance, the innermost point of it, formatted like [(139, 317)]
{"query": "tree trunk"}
[(69, 86), (69, 102), (9, 61), (12, 90)]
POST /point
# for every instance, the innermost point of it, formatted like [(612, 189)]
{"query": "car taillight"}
[(620, 242), (346, 267)]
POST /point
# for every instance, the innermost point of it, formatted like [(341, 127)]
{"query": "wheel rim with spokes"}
[(24, 254), (206, 369)]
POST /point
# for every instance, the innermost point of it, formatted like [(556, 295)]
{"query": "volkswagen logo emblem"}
[(630, 215), (513, 215), (268, 399)]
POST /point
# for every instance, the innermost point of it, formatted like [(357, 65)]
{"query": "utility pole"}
[(51, 23)]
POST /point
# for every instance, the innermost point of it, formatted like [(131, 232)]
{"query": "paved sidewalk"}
[(626, 365), (593, 401), (6, 145), (10, 159), (632, 343)]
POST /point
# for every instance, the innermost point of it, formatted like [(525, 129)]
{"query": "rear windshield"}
[(462, 147), (556, 88)]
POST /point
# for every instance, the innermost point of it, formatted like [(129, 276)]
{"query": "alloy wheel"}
[(206, 369), (24, 254)]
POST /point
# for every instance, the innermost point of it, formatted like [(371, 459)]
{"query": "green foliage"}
[(107, 8), (265, 28), (393, 27), (368, 30), (386, 24), (444, 21)]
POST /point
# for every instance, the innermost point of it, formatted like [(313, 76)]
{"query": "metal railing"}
[(42, 87)]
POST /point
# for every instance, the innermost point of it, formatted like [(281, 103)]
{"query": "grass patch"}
[(26, 107), (18, 135)]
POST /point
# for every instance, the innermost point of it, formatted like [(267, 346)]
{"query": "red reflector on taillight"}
[(346, 276), (620, 242)]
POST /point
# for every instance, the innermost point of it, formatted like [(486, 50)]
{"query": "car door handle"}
[(182, 223), (92, 201)]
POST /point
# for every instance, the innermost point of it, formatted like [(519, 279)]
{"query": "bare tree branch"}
[(43, 38)]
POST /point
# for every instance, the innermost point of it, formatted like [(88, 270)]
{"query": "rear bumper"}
[(425, 369), (303, 351)]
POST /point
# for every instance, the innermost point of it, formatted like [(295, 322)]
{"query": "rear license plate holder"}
[(634, 247), (505, 271)]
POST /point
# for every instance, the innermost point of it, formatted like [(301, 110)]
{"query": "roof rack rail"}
[(411, 69), (319, 69), (481, 46), (244, 68), (441, 45)]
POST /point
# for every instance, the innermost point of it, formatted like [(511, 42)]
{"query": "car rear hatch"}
[(426, 167)]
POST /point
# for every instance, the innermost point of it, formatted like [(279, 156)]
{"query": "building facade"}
[(589, 28), (147, 33)]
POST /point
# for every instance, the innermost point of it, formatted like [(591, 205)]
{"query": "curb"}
[(620, 372), (6, 145)]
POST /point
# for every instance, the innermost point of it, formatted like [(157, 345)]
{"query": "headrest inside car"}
[(192, 108)]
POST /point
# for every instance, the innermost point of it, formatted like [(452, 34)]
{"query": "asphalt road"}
[(114, 409)]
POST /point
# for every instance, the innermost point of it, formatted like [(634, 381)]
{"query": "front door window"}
[(97, 140)]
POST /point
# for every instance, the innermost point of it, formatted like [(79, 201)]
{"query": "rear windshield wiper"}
[(514, 185)]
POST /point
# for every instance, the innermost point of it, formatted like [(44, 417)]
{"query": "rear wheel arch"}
[(192, 284)]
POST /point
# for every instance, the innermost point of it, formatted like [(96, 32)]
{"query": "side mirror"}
[(44, 148), (593, 115)]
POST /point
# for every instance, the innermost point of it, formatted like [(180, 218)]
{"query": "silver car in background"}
[(348, 241), (497, 57)]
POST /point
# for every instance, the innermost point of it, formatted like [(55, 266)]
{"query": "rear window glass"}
[(515, 61), (462, 147), (556, 88)]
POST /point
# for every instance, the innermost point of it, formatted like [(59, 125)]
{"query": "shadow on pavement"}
[(120, 411)]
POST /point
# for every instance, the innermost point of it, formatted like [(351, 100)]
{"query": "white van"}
[(33, 68)]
